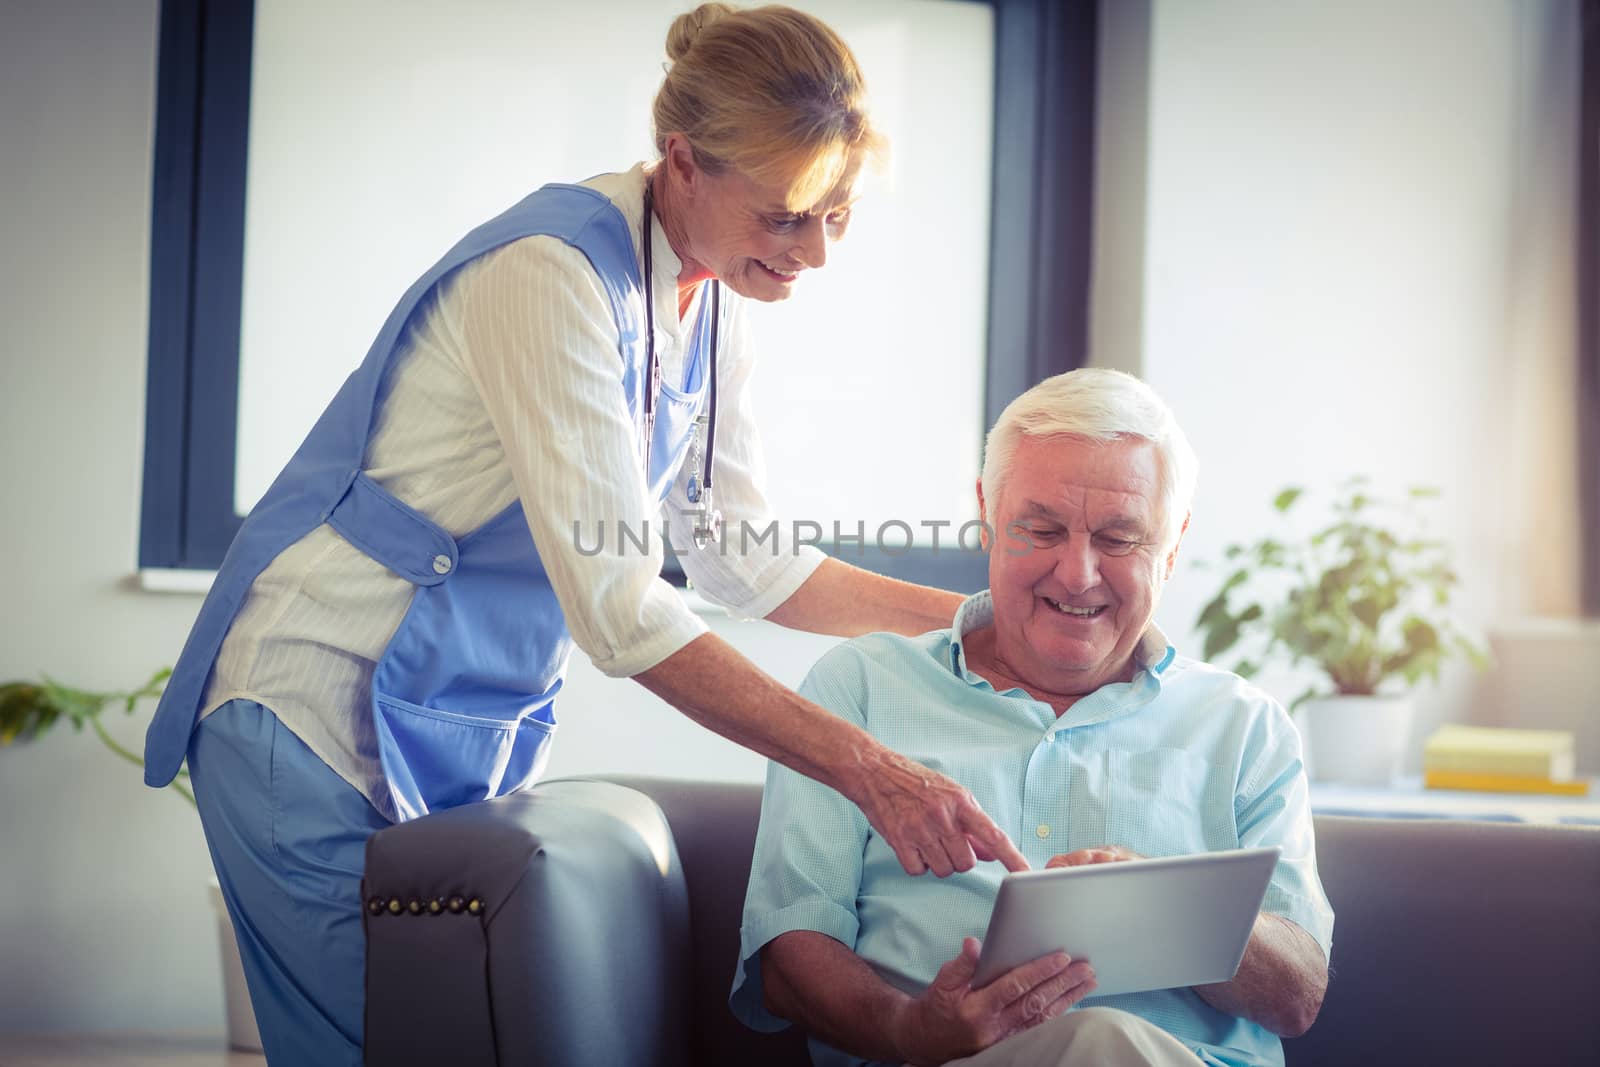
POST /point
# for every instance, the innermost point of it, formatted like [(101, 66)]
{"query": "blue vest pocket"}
[(434, 759)]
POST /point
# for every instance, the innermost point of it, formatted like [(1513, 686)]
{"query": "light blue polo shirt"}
[(1185, 758)]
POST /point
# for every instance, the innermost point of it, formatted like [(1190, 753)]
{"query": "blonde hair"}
[(771, 92), (1099, 405)]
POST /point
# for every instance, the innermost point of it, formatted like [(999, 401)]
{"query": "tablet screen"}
[(1142, 924)]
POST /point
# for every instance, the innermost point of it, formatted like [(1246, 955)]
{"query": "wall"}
[(1344, 244)]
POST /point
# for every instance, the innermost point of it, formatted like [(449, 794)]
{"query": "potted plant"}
[(1364, 598), (29, 709)]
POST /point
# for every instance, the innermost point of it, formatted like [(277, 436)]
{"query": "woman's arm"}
[(931, 822), (848, 601)]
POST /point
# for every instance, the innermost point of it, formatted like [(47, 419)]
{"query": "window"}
[(285, 226)]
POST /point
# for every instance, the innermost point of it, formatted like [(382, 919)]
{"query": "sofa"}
[(596, 921)]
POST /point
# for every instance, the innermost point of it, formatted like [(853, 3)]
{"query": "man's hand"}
[(1098, 854), (951, 1019), (932, 823)]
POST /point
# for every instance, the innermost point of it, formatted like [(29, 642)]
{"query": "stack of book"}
[(1501, 760)]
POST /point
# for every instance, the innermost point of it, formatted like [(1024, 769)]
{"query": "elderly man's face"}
[(1079, 561)]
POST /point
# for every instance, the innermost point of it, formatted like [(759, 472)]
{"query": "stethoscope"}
[(707, 519)]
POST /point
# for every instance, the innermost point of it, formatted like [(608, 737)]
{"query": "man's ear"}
[(983, 519), (1172, 556)]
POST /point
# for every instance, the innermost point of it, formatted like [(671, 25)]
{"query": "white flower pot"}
[(242, 1032), (1355, 739)]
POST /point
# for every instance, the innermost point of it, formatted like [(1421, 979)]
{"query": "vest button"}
[(441, 564)]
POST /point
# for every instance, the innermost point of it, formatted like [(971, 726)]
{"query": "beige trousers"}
[(1087, 1037)]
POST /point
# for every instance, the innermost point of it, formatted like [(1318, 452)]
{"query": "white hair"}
[(1099, 405)]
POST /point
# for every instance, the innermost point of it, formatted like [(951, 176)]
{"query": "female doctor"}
[(390, 628)]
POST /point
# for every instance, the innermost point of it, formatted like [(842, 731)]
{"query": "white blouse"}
[(509, 386)]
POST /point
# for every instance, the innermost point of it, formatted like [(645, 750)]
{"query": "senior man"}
[(1058, 703)]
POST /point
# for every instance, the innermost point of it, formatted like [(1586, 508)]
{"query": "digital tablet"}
[(1143, 924)]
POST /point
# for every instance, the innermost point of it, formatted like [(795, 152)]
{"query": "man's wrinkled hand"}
[(951, 1019), (1083, 857), (931, 822)]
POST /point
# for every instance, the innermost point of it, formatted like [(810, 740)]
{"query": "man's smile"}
[(1075, 612)]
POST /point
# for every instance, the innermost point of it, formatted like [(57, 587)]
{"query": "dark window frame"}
[(1045, 73), (1588, 392)]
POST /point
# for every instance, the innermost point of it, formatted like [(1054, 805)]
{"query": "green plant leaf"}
[(1214, 612), (1368, 610), (1420, 634), (28, 710), (1364, 596), (25, 712), (1223, 636)]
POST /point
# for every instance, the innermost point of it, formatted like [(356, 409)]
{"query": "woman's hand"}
[(932, 823), (951, 1019)]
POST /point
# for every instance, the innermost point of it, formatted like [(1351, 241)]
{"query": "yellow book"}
[(1546, 754), (1502, 783)]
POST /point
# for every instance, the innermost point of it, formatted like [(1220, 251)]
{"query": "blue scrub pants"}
[(288, 838)]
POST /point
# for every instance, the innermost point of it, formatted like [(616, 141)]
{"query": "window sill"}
[(173, 580), (198, 583)]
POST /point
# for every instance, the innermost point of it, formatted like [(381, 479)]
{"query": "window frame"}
[(1587, 396), (1040, 254)]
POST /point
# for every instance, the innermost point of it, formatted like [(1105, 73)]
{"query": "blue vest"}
[(463, 696)]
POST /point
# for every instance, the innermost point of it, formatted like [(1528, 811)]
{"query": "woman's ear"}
[(679, 162)]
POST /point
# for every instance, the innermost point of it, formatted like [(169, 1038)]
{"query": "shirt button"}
[(1043, 831), (441, 564)]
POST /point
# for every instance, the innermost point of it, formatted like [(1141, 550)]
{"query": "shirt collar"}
[(1153, 652)]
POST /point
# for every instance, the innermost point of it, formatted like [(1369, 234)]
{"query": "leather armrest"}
[(577, 950)]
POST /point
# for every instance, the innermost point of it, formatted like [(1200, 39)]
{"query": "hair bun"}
[(687, 26)]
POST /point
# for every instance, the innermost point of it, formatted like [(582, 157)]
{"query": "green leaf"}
[(1368, 610), (26, 711), (1214, 612), (1221, 638), (1420, 635), (1286, 498), (1269, 553)]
